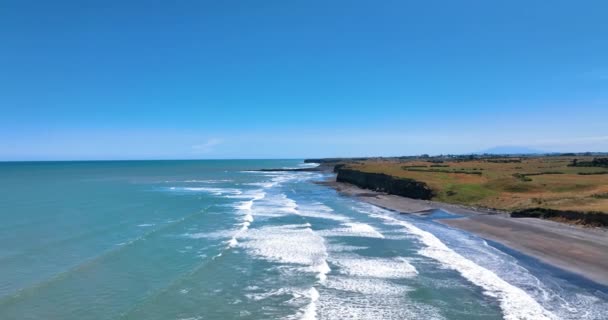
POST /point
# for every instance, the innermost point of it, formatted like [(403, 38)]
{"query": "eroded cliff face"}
[(597, 219), (411, 188), (384, 183)]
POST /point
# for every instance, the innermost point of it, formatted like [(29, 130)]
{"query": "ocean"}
[(189, 240)]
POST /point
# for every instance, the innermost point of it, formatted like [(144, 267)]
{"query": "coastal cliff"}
[(384, 183), (597, 219), (522, 186)]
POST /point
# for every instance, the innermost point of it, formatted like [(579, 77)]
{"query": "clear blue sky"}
[(291, 79)]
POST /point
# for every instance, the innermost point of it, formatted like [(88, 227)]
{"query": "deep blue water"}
[(216, 240)]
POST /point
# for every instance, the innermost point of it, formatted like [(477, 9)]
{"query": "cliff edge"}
[(384, 183)]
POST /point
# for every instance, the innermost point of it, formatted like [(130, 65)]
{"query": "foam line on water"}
[(272, 293), (564, 298), (319, 210), (261, 184), (146, 225), (353, 229), (395, 268), (515, 303), (366, 286), (279, 177), (245, 208), (295, 244), (338, 305), (304, 165), (309, 165), (211, 190), (291, 244), (310, 312), (276, 206)]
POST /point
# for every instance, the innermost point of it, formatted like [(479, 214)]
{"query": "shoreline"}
[(575, 249)]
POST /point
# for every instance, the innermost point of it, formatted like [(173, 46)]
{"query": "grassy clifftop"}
[(505, 183)]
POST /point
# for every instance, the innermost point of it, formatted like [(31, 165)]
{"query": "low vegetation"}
[(440, 170), (590, 173), (596, 162)]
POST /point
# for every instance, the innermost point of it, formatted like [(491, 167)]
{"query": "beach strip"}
[(579, 250)]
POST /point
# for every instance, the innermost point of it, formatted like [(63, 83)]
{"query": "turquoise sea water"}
[(216, 240)]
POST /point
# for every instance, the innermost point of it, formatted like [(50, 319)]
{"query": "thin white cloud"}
[(207, 146)]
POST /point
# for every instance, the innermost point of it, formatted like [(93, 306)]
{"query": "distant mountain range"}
[(511, 150)]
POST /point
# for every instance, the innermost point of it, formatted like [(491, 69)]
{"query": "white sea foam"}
[(257, 296), (307, 312), (211, 190), (364, 289), (353, 229), (292, 244), (367, 286), (555, 295), (363, 229), (375, 267), (261, 184), (244, 195), (245, 208), (321, 269), (514, 302), (310, 313), (144, 225), (319, 210), (279, 178), (295, 245), (309, 165), (232, 242), (335, 306), (344, 248), (252, 196), (276, 206), (304, 165)]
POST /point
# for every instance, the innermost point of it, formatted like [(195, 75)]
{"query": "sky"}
[(85, 80)]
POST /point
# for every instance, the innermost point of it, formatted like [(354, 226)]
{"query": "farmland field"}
[(506, 183)]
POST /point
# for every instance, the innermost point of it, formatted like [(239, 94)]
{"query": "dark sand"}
[(583, 251)]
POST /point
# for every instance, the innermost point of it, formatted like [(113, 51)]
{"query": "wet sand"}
[(583, 251)]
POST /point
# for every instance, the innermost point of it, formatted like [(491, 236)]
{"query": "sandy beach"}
[(582, 251)]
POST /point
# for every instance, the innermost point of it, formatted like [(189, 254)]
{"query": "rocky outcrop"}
[(598, 219), (384, 183), (338, 167)]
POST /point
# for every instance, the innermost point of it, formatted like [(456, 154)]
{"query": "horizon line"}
[(308, 158)]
